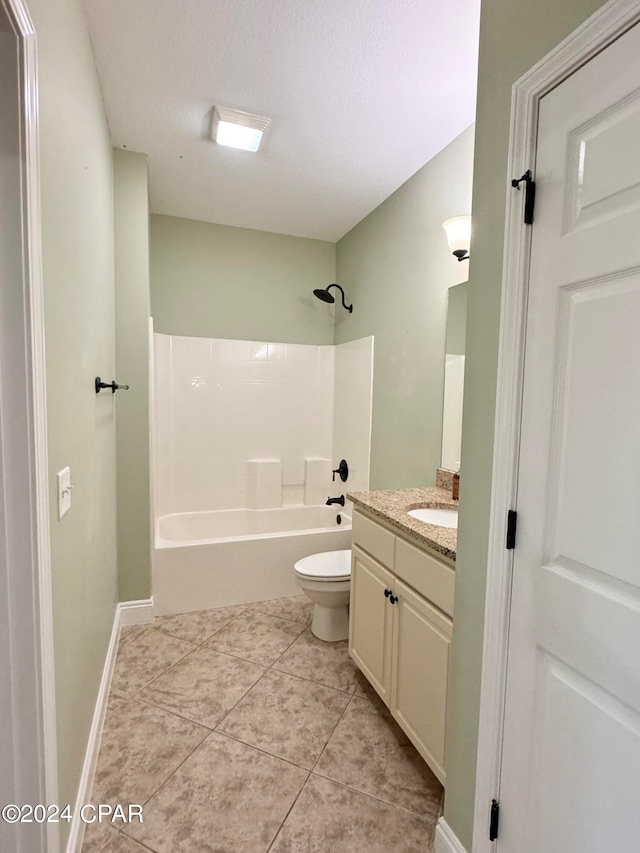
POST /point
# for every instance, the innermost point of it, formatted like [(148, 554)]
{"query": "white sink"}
[(439, 517)]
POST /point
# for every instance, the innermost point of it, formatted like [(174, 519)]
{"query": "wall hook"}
[(99, 385)]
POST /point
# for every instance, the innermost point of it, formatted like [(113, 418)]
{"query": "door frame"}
[(602, 28), (31, 740)]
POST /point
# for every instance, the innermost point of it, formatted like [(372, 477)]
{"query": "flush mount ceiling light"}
[(236, 129), (459, 236)]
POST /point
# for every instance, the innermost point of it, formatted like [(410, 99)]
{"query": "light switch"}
[(64, 491)]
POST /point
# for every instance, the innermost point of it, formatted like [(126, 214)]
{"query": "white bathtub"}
[(236, 556)]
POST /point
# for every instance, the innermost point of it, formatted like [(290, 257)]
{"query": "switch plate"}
[(64, 491)]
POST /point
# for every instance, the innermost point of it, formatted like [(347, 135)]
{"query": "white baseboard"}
[(136, 612), (446, 839), (127, 613)]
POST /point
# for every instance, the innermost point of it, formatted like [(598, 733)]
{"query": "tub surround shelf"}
[(391, 507)]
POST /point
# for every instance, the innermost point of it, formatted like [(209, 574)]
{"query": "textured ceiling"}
[(361, 94)]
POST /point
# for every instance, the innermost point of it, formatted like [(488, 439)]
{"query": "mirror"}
[(454, 376)]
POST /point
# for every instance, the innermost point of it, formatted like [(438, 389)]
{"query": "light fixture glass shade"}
[(458, 232), (236, 129)]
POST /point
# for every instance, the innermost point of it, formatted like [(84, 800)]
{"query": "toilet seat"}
[(326, 566)]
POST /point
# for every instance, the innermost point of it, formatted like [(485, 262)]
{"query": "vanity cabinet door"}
[(371, 620), (420, 664)]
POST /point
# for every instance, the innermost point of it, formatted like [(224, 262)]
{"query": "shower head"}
[(325, 296)]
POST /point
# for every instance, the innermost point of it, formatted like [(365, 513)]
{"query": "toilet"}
[(325, 578)]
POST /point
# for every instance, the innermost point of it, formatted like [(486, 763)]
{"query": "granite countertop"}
[(392, 505)]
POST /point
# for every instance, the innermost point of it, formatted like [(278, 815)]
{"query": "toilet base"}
[(330, 624)]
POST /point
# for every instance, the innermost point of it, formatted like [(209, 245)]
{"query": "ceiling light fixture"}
[(459, 236), (236, 129)]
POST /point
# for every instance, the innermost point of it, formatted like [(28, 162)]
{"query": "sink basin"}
[(439, 517)]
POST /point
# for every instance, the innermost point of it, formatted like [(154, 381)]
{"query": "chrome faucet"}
[(339, 500)]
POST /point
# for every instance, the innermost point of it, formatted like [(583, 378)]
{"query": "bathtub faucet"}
[(339, 500)]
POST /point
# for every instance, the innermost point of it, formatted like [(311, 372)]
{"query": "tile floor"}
[(240, 732)]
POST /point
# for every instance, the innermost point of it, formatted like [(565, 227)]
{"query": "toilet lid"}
[(328, 566)]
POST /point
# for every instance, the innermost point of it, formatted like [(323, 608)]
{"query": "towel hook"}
[(99, 385)]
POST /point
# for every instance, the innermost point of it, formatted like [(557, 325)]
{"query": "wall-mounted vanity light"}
[(458, 232)]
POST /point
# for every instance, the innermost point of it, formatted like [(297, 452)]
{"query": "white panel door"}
[(571, 760)]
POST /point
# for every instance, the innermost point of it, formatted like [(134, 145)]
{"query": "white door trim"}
[(32, 638), (610, 22)]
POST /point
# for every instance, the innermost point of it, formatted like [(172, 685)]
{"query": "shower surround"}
[(245, 436)]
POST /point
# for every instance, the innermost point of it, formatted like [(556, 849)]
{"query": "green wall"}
[(514, 35), (223, 282), (77, 217), (396, 268), (131, 210)]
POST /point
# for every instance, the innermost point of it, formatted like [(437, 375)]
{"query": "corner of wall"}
[(131, 216)]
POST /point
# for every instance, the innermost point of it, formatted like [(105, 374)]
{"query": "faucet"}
[(339, 500)]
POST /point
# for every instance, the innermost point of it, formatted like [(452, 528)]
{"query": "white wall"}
[(352, 414), (220, 404)]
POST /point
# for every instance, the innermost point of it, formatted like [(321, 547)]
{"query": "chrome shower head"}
[(325, 296)]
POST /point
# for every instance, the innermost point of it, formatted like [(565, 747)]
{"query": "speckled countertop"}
[(392, 506)]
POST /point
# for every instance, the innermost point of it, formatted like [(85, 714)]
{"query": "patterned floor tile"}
[(130, 632), (287, 717), (198, 626), (328, 818), (368, 751), (122, 844), (298, 608), (226, 797), (141, 747), (142, 659), (229, 791), (256, 637), (97, 836), (203, 686), (326, 663)]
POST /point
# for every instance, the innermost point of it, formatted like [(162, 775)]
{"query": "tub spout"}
[(339, 500)]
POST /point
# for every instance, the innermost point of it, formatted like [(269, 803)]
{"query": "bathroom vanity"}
[(401, 610)]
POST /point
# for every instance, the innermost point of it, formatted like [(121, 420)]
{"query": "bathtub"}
[(236, 556)]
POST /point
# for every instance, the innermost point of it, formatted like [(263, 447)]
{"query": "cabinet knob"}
[(387, 593), (393, 598)]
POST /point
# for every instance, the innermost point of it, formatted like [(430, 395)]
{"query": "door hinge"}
[(512, 525), (529, 196), (494, 820)]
